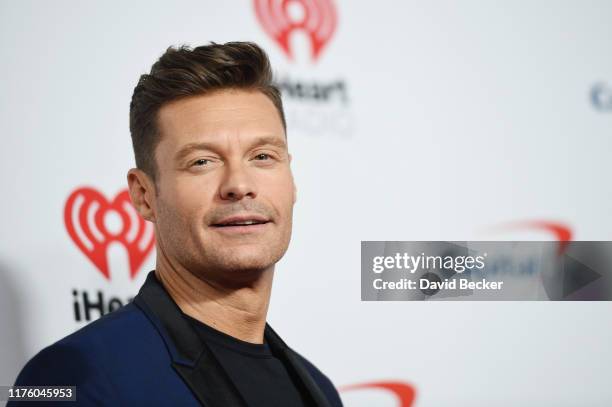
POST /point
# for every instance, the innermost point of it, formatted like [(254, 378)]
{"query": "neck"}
[(238, 310)]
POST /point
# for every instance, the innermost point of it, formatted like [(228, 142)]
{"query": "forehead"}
[(220, 117)]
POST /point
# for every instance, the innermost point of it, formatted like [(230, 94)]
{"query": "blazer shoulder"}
[(67, 364), (322, 380), (79, 359), (107, 333), (104, 329)]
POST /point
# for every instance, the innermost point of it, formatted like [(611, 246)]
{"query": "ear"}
[(142, 193), (293, 181)]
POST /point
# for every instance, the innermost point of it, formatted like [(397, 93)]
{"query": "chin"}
[(248, 259), (253, 263)]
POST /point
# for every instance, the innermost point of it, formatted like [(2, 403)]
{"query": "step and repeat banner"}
[(407, 121)]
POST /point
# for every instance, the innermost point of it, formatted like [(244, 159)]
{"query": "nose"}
[(237, 183)]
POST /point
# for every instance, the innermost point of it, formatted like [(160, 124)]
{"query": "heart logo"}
[(93, 223), (280, 18)]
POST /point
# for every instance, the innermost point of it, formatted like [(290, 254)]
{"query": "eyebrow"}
[(204, 145)]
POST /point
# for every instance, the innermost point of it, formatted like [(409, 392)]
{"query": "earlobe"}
[(141, 193)]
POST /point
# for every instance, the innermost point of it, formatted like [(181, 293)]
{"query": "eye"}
[(262, 156), (201, 162)]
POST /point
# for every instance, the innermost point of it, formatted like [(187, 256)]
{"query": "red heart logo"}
[(86, 216), (318, 20)]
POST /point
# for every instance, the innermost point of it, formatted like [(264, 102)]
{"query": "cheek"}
[(188, 199), (279, 191)]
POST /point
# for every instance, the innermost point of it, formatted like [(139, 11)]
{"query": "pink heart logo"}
[(89, 217)]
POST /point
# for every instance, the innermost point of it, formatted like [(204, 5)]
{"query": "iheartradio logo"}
[(280, 18), (93, 223)]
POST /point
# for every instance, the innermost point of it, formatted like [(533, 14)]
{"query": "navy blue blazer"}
[(147, 354)]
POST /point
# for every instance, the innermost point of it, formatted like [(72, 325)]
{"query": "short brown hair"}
[(183, 72)]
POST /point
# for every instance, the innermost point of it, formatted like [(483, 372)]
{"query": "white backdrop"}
[(444, 120)]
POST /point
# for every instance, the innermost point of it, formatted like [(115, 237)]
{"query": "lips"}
[(241, 221)]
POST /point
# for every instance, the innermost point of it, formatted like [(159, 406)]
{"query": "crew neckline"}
[(210, 334)]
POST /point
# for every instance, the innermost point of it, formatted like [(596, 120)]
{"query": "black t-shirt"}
[(261, 377)]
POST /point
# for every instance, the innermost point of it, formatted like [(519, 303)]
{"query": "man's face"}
[(223, 161)]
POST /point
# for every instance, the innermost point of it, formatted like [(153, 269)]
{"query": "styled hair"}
[(182, 72)]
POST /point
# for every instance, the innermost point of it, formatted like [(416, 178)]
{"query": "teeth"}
[(247, 222)]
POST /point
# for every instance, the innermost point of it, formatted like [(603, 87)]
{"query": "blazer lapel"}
[(191, 358), (292, 361), (196, 363), (209, 382)]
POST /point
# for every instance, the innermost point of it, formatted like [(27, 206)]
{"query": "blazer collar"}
[(194, 361)]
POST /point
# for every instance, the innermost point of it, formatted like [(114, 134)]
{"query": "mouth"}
[(241, 224)]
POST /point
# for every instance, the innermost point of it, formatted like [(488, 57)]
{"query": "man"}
[(213, 175)]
